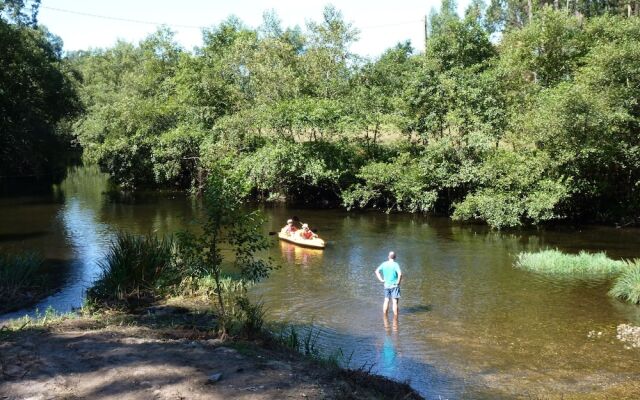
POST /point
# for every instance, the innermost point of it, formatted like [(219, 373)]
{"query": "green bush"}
[(136, 268), (554, 262), (288, 170), (627, 285), (514, 188), (227, 228), (397, 185)]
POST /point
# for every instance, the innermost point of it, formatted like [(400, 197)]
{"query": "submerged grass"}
[(555, 262), (627, 286)]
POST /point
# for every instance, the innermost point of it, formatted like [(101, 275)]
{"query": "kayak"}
[(315, 243)]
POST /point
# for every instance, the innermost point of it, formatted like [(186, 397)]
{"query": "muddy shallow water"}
[(471, 326)]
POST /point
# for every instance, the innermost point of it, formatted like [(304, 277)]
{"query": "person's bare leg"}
[(395, 308), (385, 306)]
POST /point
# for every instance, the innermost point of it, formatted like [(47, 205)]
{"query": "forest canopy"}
[(38, 97), (517, 112)]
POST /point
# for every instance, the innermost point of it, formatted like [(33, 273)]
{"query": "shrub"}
[(134, 269), (227, 226), (288, 170), (627, 286), (397, 185), (515, 188), (554, 262)]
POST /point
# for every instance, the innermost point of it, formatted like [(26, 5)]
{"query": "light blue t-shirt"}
[(390, 272)]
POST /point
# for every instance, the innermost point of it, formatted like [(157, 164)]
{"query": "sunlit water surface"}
[(471, 325)]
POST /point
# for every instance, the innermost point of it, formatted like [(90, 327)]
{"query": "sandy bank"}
[(80, 359)]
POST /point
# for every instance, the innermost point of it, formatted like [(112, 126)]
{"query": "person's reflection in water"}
[(288, 251), (389, 353), (300, 255)]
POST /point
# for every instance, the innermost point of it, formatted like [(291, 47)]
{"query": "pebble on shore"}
[(629, 334)]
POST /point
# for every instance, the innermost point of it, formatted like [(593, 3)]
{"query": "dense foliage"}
[(515, 113), (37, 95)]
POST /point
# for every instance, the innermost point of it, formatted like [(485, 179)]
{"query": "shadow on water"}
[(417, 309), (14, 237)]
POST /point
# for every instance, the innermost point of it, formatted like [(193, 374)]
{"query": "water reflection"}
[(76, 224), (300, 256), (389, 350), (81, 197)]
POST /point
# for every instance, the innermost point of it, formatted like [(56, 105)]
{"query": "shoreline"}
[(169, 351)]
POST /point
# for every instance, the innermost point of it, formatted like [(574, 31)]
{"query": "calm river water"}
[(471, 326)]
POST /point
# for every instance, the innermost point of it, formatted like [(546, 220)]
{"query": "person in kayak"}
[(390, 274), (289, 228), (306, 233)]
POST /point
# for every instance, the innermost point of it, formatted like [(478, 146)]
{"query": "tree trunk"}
[(530, 9), (426, 33), (375, 133), (556, 4)]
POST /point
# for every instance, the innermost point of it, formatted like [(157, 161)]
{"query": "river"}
[(471, 325)]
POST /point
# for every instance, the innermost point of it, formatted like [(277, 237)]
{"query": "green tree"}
[(227, 226), (37, 94)]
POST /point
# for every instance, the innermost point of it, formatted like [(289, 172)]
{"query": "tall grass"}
[(135, 268), (584, 264), (19, 272), (627, 286), (553, 262)]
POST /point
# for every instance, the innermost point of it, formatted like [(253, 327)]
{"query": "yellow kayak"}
[(315, 243)]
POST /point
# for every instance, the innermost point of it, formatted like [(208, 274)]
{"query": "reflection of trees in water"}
[(85, 183), (135, 212)]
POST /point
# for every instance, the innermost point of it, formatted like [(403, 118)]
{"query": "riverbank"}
[(168, 352)]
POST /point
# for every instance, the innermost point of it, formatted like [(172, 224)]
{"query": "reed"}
[(19, 273), (555, 262), (136, 268), (627, 285)]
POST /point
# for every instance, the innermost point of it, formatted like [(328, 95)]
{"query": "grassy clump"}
[(135, 270), (21, 278), (18, 272), (554, 262), (627, 285)]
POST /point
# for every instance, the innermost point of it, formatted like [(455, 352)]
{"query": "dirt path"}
[(135, 363)]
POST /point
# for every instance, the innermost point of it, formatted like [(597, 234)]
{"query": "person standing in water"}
[(390, 274)]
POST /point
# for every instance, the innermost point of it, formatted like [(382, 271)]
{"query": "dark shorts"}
[(392, 293)]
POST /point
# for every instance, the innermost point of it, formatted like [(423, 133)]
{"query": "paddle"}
[(314, 230)]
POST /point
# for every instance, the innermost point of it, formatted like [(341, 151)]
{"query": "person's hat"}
[(305, 226), (289, 221)]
